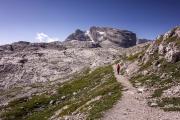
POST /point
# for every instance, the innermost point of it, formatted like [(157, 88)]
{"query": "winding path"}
[(133, 106)]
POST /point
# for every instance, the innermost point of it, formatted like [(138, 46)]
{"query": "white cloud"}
[(42, 37)]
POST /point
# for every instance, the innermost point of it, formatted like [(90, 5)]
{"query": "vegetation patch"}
[(149, 63), (171, 39), (158, 41), (135, 56), (177, 42), (171, 68), (158, 92), (122, 57), (170, 104), (148, 80), (174, 39), (77, 94)]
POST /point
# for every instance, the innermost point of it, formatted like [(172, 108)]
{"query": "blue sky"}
[(56, 19)]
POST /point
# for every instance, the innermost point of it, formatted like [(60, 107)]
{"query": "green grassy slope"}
[(89, 94)]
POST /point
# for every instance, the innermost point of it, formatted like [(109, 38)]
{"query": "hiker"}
[(118, 68)]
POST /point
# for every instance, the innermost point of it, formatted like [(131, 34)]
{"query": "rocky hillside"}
[(85, 96), (28, 68), (105, 37), (158, 71), (36, 77)]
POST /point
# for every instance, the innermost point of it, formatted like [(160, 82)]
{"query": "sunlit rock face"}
[(167, 45)]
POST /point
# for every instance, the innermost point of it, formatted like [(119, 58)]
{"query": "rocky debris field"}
[(30, 65)]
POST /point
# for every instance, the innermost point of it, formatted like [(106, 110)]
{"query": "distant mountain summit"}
[(105, 37), (140, 41)]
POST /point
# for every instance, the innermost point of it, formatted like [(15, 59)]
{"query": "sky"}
[(49, 20)]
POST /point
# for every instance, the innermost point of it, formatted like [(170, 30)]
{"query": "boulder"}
[(153, 104)]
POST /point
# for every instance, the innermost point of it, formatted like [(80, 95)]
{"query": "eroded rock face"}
[(172, 53), (105, 37)]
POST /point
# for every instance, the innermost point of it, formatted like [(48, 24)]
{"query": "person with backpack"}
[(118, 69)]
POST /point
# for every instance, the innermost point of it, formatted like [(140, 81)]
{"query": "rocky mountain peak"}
[(105, 37), (78, 35)]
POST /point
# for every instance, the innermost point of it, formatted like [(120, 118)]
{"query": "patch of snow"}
[(101, 33), (89, 35)]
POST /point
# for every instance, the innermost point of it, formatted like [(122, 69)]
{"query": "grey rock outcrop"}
[(167, 45)]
